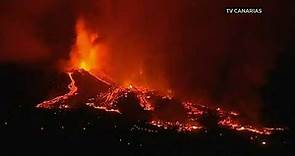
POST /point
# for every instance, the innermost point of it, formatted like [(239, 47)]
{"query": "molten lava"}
[(116, 98), (141, 104), (61, 99)]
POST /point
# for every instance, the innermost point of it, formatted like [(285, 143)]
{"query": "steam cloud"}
[(192, 47)]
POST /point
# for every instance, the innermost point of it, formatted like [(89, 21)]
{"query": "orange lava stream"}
[(143, 98), (90, 52), (229, 121), (103, 108), (61, 99), (236, 125), (107, 101), (232, 124)]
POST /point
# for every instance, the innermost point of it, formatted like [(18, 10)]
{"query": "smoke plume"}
[(190, 47)]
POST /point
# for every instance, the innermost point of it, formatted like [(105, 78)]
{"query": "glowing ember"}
[(181, 127)]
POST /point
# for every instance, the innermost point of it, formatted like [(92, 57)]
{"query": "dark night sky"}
[(192, 46)]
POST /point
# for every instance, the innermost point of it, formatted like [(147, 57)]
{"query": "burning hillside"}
[(163, 111), (90, 87)]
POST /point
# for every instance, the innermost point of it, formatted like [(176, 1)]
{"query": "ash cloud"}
[(34, 31), (194, 47)]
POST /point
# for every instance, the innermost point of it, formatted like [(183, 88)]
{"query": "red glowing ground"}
[(141, 104)]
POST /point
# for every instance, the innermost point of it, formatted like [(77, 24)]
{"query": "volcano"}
[(149, 106)]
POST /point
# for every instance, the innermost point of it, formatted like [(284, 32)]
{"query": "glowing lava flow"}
[(110, 99), (235, 125), (98, 91), (106, 101), (61, 99), (229, 121)]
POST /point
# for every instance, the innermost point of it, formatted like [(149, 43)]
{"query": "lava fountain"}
[(91, 87)]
